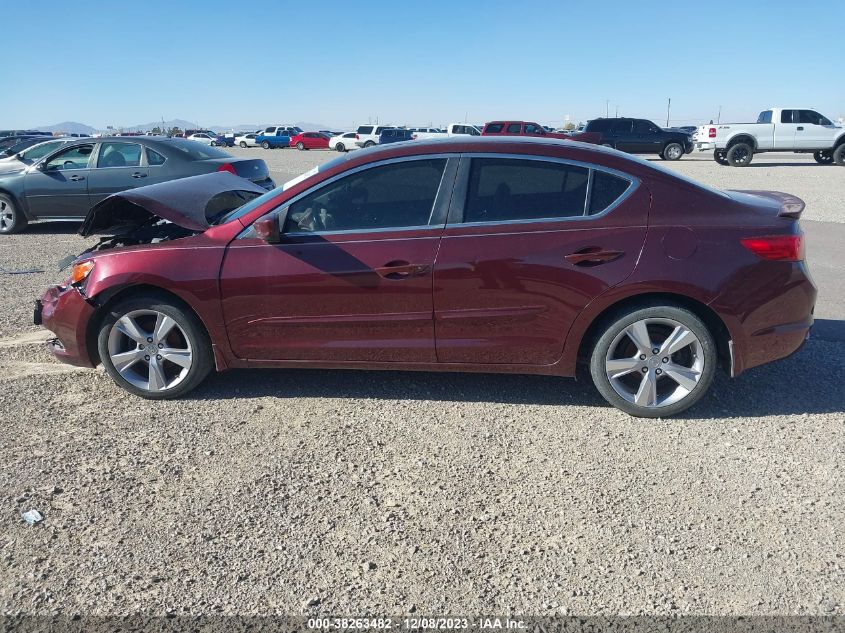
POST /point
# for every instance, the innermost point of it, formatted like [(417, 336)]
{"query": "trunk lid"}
[(254, 169), (784, 205)]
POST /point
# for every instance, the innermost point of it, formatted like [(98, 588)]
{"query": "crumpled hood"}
[(184, 202)]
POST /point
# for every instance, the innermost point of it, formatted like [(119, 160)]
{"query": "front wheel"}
[(672, 151), (12, 219), (265, 145), (154, 348), (654, 361), (740, 155), (721, 157), (839, 155), (340, 147)]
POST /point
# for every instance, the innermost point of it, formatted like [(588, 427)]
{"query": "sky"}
[(415, 63)]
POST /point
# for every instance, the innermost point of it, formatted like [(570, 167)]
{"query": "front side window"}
[(37, 152), (531, 128), (73, 158), (119, 155), (812, 117), (396, 195), (503, 189)]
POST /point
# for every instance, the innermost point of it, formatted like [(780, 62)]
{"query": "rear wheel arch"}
[(742, 138), (111, 296), (717, 327)]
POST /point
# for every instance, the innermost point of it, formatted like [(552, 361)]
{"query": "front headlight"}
[(80, 271)]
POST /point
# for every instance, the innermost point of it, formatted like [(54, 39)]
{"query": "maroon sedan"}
[(471, 254), (309, 140)]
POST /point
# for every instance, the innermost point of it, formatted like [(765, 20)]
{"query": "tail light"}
[(711, 133), (413, 137), (357, 137), (227, 167), (783, 248)]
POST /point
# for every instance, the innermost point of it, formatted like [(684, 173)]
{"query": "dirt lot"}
[(351, 493)]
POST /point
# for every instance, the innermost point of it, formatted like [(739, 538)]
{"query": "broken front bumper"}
[(66, 313)]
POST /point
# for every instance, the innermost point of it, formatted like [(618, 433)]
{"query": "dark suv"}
[(640, 136)]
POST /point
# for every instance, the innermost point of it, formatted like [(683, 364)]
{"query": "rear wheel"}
[(300, 146), (265, 145), (672, 151), (721, 157), (654, 361), (340, 147), (12, 219), (740, 155), (154, 348), (839, 155), (369, 144), (243, 144)]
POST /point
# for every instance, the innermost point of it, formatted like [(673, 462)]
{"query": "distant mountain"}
[(68, 127)]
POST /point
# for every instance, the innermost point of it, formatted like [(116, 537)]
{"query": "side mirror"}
[(269, 227)]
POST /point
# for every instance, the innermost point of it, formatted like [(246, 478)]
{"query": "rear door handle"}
[(592, 256), (76, 178), (800, 128), (398, 270), (139, 174)]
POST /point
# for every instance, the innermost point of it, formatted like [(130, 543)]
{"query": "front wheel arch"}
[(718, 329), (111, 296)]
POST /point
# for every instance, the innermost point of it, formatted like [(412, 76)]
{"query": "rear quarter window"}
[(607, 189)]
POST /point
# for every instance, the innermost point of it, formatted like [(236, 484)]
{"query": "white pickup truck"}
[(454, 129), (798, 130)]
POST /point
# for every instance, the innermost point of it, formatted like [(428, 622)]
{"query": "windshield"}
[(196, 151)]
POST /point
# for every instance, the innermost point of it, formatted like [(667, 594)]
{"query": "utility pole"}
[(617, 111), (719, 118), (668, 106), (607, 108)]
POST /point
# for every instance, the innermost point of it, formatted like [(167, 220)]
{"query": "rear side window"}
[(502, 189), (622, 127), (365, 129), (396, 195), (765, 117), (789, 116), (599, 125), (119, 155), (606, 190), (514, 128), (495, 128), (154, 158)]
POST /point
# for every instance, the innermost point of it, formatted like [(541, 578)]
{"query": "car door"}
[(648, 138), (58, 186), (622, 135), (814, 131), (525, 249), (117, 168), (786, 129), (351, 278)]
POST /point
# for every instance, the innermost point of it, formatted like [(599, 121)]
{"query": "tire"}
[(740, 155), (132, 344), (368, 144), (340, 147), (243, 144), (300, 146), (839, 155), (720, 156), (672, 151), (265, 145), (214, 143), (646, 384), (607, 145), (12, 219)]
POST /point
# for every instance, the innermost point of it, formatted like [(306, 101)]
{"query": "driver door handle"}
[(139, 174), (399, 269), (76, 178)]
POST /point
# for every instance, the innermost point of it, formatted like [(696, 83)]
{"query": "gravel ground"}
[(385, 493)]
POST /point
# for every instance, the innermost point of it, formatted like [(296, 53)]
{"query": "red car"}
[(309, 140), (505, 255)]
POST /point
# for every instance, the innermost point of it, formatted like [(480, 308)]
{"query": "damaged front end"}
[(166, 211)]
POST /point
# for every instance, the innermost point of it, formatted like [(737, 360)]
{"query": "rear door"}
[(526, 248), (352, 278), (786, 129), (59, 188), (118, 167), (622, 135)]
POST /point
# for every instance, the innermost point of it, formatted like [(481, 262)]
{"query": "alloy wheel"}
[(673, 152), (655, 362), (150, 350), (7, 217)]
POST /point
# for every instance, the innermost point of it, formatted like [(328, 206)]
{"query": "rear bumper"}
[(704, 146), (66, 313)]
